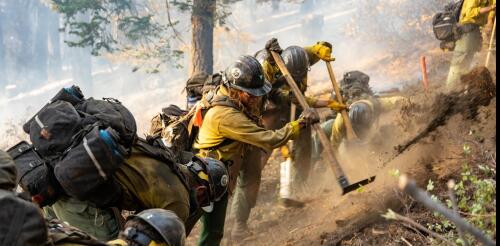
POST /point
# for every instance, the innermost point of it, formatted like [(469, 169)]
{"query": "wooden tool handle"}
[(337, 170), (492, 39), (351, 135)]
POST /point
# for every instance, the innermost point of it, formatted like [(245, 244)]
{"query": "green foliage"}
[(430, 185), (123, 26), (476, 196), (129, 29)]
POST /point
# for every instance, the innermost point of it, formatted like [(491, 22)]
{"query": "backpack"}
[(35, 175), (445, 23), (83, 142), (195, 84), (355, 85), (178, 132)]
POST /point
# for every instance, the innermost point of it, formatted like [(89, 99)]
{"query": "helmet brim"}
[(258, 92)]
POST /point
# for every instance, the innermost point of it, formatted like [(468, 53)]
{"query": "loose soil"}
[(423, 138)]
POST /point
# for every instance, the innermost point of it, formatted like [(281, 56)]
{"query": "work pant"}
[(245, 197), (465, 48), (212, 229), (100, 223), (247, 186)]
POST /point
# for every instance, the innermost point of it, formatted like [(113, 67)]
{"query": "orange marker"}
[(423, 67)]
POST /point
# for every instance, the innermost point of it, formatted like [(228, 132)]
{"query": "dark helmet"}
[(215, 174), (261, 56), (165, 222), (246, 74), (296, 61), (362, 116), (354, 85)]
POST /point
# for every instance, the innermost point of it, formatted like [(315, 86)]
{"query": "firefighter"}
[(274, 116), (147, 183), (473, 16), (364, 110), (227, 130)]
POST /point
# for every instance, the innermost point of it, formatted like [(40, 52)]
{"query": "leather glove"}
[(273, 45), (323, 50), (336, 106), (308, 117)]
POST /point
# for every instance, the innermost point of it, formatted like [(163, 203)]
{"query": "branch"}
[(409, 186), (171, 24), (395, 216)]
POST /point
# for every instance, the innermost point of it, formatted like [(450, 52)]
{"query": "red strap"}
[(198, 118)]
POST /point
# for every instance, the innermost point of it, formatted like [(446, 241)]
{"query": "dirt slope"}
[(433, 154)]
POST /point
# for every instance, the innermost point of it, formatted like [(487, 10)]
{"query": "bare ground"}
[(436, 155)]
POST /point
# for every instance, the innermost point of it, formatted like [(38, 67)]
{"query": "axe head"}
[(346, 187)]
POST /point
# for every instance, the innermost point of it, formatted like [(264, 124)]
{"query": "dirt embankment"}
[(423, 139)]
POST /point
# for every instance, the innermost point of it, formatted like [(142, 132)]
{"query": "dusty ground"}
[(438, 154)]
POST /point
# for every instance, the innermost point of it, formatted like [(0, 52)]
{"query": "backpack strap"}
[(60, 233), (154, 148)]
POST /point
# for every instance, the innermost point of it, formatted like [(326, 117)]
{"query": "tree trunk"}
[(202, 21), (55, 64), (41, 52)]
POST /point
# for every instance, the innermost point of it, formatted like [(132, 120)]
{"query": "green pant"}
[(100, 223), (212, 229), (247, 187), (465, 48)]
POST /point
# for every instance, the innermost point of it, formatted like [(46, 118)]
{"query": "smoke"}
[(382, 38)]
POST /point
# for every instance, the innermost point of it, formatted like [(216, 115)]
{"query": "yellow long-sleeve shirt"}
[(224, 122), (470, 13)]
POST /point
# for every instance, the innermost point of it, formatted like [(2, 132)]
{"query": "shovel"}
[(351, 135), (337, 170)]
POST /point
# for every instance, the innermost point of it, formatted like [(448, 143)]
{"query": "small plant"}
[(476, 197)]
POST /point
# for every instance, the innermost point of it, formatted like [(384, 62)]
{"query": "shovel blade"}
[(352, 187)]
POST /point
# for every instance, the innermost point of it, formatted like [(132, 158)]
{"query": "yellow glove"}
[(295, 128), (323, 50), (285, 151), (334, 105), (117, 242)]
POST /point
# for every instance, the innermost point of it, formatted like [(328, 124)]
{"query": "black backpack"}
[(82, 143), (35, 175), (355, 85), (445, 23)]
